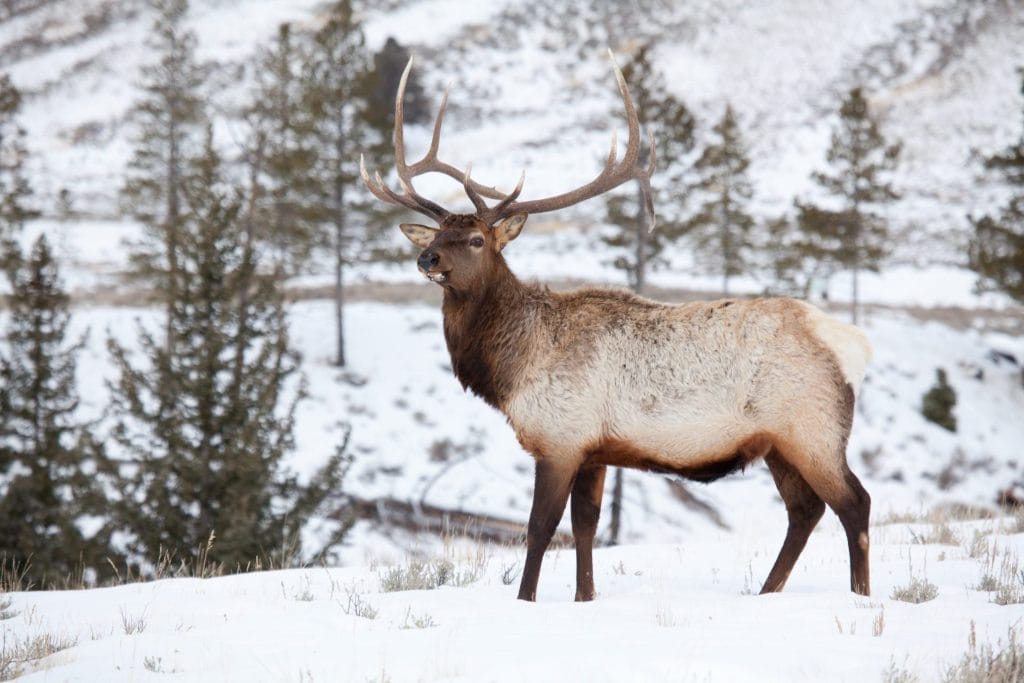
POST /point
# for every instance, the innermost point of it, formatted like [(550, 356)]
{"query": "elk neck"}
[(488, 330)]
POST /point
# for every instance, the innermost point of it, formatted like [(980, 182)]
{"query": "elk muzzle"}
[(427, 261)]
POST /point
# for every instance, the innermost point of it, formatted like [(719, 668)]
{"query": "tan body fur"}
[(685, 386)]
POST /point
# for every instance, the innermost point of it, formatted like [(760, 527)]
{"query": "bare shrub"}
[(15, 653), (414, 621), (509, 573), (1006, 583), (919, 590), (417, 575), (355, 606), (133, 624), (985, 664)]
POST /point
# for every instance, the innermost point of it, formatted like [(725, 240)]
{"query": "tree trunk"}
[(856, 295), (339, 295), (339, 251), (640, 278), (615, 525)]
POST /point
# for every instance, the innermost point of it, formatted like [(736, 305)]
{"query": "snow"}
[(678, 612)]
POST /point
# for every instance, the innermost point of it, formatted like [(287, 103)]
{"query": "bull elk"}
[(600, 377)]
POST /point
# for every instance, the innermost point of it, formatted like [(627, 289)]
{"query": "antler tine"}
[(409, 201), (498, 210), (611, 176), (478, 202), (632, 120)]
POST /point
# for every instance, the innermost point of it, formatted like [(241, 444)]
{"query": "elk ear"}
[(420, 235), (509, 229)]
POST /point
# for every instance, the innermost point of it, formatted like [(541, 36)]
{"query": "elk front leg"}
[(586, 509), (550, 494)]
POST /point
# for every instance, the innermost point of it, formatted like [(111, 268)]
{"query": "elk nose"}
[(427, 260)]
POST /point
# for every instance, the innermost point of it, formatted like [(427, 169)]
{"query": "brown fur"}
[(624, 454), (504, 336)]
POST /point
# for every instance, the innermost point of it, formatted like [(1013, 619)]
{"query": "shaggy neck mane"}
[(487, 335)]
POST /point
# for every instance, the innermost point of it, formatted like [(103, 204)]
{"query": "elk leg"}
[(804, 508), (550, 494), (854, 510), (586, 509), (843, 492)]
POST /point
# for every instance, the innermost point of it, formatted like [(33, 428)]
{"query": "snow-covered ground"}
[(681, 612)]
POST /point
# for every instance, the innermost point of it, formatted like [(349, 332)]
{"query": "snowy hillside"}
[(531, 88)]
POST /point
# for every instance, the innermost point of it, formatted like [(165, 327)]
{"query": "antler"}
[(428, 164), (613, 174)]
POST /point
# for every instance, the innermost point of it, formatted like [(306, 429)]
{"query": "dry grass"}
[(986, 664), (355, 606), (16, 654), (898, 674), (919, 590), (133, 623), (459, 564), (417, 621), (939, 515), (939, 534)]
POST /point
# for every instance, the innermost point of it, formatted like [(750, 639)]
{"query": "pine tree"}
[(638, 249), (49, 465), (281, 156), (380, 85), (205, 421), (938, 402), (996, 251), (722, 226), (852, 234), (14, 186), (170, 119), (334, 84)]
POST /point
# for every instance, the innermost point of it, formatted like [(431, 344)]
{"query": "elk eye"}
[(476, 242)]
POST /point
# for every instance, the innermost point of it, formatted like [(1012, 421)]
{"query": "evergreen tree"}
[(49, 465), (938, 402), (14, 187), (722, 226), (206, 420), (638, 249), (170, 119), (852, 234), (380, 84), (334, 79), (996, 251), (281, 156)]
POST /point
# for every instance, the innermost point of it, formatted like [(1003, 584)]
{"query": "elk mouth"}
[(438, 277)]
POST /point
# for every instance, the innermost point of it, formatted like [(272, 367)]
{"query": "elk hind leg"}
[(854, 510), (843, 492), (586, 509), (804, 508)]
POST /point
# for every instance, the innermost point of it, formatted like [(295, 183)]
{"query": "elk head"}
[(464, 249)]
